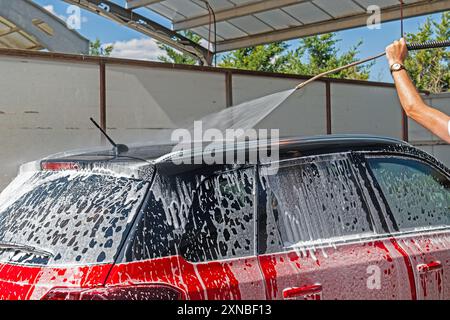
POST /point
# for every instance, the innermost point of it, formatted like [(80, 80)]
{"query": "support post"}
[(405, 134), (102, 96), (229, 88), (328, 106)]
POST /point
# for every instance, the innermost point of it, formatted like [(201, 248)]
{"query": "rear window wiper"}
[(25, 248)]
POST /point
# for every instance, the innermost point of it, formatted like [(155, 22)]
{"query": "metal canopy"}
[(13, 37), (25, 25), (146, 26), (244, 23)]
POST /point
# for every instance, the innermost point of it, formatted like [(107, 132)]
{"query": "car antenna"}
[(118, 148)]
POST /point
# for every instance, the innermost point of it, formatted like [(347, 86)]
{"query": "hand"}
[(397, 52)]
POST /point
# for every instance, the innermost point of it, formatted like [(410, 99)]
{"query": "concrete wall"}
[(46, 102), (361, 109), (303, 114), (427, 141), (44, 108), (141, 101)]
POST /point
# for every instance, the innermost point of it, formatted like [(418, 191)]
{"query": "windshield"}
[(79, 217)]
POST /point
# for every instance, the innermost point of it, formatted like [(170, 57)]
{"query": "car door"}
[(318, 236), (219, 241), (418, 196)]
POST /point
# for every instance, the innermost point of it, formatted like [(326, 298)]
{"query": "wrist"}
[(394, 61), (399, 74), (396, 67)]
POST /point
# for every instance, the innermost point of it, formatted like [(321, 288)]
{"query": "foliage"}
[(175, 56), (429, 69), (268, 58), (318, 54), (97, 49), (314, 55)]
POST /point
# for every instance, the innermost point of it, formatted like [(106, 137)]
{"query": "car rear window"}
[(80, 217)]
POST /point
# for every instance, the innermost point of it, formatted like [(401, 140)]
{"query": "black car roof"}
[(315, 145)]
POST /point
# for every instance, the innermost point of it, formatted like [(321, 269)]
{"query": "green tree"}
[(269, 58), (97, 49), (314, 55), (175, 56), (429, 69), (318, 54)]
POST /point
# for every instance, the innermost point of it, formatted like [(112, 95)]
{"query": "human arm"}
[(412, 103)]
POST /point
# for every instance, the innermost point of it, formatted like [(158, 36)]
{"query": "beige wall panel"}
[(365, 109)]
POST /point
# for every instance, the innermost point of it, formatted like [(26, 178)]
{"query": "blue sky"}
[(131, 44)]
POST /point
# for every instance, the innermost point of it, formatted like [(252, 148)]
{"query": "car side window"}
[(418, 195), (221, 223), (316, 200)]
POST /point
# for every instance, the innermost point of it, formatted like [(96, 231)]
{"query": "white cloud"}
[(70, 11), (139, 49), (50, 8)]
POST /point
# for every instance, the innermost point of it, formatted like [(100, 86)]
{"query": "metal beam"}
[(133, 4), (238, 11), (146, 26), (389, 14), (9, 31), (23, 14)]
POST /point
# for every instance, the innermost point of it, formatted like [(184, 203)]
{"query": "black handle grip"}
[(428, 45)]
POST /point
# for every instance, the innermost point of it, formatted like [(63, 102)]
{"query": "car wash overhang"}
[(245, 23), (25, 25), (146, 26)]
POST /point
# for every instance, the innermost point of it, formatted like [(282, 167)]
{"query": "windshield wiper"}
[(25, 248)]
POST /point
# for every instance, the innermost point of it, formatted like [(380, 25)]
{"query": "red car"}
[(338, 217)]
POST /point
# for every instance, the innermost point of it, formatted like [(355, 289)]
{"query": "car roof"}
[(314, 145)]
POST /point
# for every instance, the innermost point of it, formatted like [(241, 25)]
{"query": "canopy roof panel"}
[(26, 25), (13, 37), (244, 23)]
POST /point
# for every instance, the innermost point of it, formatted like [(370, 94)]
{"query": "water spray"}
[(248, 114), (411, 47)]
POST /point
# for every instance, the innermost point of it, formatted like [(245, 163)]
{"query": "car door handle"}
[(290, 293), (429, 267)]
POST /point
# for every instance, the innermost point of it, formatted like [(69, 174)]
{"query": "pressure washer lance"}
[(411, 47)]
